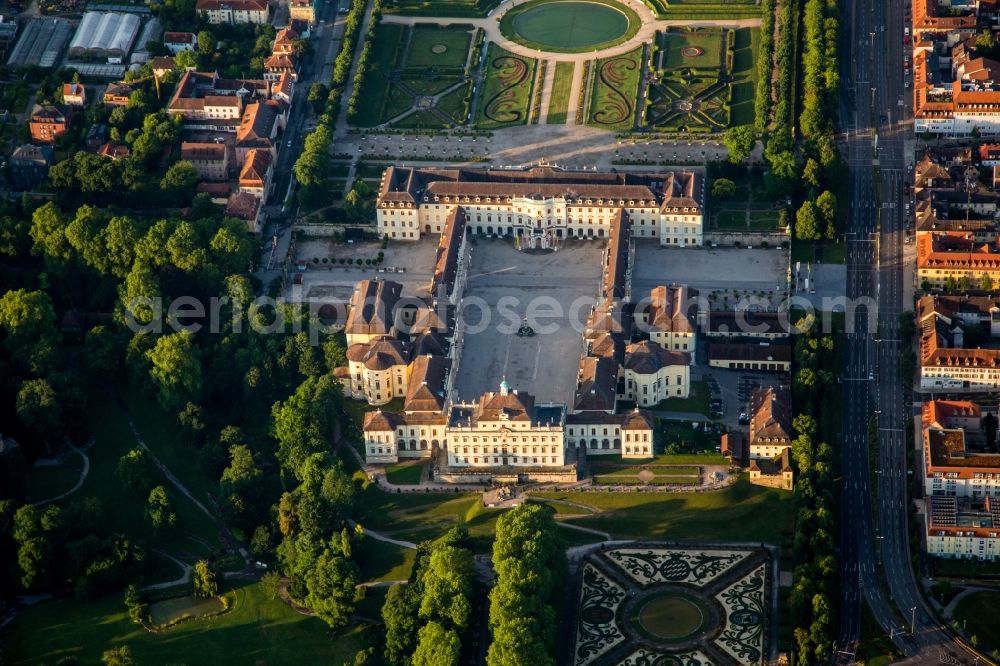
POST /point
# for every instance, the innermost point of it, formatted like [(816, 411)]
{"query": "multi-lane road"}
[(875, 552)]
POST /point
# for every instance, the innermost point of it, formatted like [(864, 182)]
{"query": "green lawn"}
[(665, 459), (451, 8), (385, 49), (175, 608), (577, 28), (614, 91), (978, 613), (964, 568), (43, 482), (405, 474), (731, 219), (421, 120), (159, 430), (740, 512), (708, 40), (426, 86), (657, 480), (125, 513), (384, 561), (506, 94), (744, 86), (827, 252), (627, 470), (396, 102), (561, 89), (456, 103), (874, 648), (419, 516), (435, 47), (254, 630), (696, 402)]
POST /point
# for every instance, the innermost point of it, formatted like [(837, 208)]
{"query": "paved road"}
[(875, 556)]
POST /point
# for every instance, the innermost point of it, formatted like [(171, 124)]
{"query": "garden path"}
[(183, 579), (79, 482), (545, 92), (574, 93)]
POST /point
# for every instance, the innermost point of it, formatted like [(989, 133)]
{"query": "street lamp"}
[(913, 620)]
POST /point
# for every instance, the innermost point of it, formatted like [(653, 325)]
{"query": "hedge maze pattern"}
[(730, 585), (691, 88)]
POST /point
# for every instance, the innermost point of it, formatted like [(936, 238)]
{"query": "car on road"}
[(289, 143)]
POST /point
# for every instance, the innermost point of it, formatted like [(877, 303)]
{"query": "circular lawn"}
[(669, 617), (569, 26)]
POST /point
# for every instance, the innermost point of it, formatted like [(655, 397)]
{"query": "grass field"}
[(561, 89), (254, 630), (405, 474), (653, 480), (45, 481), (375, 90), (978, 614), (744, 86), (425, 119), (453, 8), (385, 561), (709, 41), (435, 47), (176, 608), (419, 516), (456, 103), (396, 102), (740, 512), (112, 439), (426, 86), (506, 94), (614, 91), (696, 402)]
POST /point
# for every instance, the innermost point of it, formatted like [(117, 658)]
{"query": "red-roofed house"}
[(175, 42), (74, 94), (256, 172)]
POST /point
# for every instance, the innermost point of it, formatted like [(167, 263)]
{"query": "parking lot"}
[(409, 263), (554, 290), (731, 273), (732, 390)]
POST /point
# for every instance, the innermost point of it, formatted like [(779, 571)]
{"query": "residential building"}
[(175, 42), (118, 93), (770, 423), (211, 103), (302, 10), (218, 192), (113, 151), (210, 159), (255, 176), (629, 435), (957, 341), (162, 65), (761, 357), (246, 207), (733, 445), (29, 167), (48, 122), (235, 11), (746, 324), (962, 529), (541, 204), (959, 460), (946, 257), (74, 94), (773, 472), (257, 130)]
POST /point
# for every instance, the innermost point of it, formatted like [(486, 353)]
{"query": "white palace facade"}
[(540, 201)]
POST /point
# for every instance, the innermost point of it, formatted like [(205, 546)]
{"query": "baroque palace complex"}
[(401, 347)]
